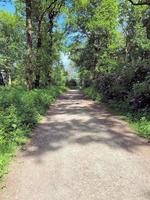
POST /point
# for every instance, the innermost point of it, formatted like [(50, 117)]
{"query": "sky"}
[(10, 8), (65, 60), (7, 6)]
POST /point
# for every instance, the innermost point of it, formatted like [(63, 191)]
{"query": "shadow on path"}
[(75, 120)]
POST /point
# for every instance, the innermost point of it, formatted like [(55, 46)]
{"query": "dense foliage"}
[(31, 43), (20, 110), (111, 47)]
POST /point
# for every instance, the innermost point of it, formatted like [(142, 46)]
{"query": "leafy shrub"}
[(91, 92), (142, 126), (140, 96), (128, 83)]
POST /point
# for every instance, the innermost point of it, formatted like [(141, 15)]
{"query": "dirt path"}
[(80, 152)]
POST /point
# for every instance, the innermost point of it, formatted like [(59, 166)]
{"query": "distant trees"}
[(11, 44), (30, 43), (106, 37)]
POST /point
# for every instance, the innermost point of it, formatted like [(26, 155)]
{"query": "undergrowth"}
[(20, 110)]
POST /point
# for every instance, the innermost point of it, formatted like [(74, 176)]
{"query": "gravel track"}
[(79, 151)]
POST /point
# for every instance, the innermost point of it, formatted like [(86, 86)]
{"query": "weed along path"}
[(79, 151)]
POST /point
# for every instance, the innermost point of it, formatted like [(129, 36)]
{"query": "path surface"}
[(80, 152)]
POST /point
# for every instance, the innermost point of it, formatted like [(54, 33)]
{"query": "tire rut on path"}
[(79, 151)]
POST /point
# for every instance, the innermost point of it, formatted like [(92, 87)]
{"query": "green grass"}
[(20, 110), (139, 120)]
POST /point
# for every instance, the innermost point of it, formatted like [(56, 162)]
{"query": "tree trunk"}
[(9, 79), (38, 67), (1, 79), (51, 24), (29, 65)]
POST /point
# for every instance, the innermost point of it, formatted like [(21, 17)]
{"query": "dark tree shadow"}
[(99, 127)]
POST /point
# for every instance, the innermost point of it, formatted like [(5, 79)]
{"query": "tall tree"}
[(29, 29)]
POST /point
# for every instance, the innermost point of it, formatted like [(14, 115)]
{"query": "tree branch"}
[(46, 9), (140, 3)]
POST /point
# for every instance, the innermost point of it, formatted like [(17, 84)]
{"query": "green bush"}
[(128, 83), (91, 92), (20, 110)]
